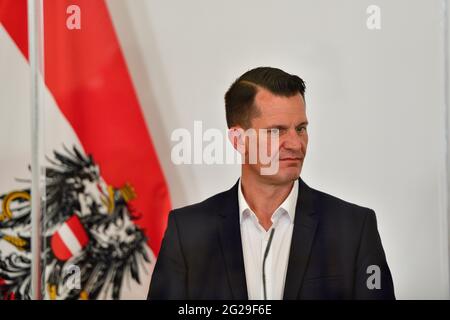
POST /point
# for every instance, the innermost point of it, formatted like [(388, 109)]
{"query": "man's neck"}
[(264, 198)]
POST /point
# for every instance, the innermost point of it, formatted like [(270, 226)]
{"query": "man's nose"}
[(292, 140)]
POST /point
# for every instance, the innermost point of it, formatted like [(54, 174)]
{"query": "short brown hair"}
[(239, 99)]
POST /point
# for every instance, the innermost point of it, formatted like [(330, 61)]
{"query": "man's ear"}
[(236, 135)]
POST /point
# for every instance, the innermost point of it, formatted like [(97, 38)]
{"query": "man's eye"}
[(301, 129)]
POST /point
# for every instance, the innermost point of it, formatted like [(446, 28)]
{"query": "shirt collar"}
[(288, 205)]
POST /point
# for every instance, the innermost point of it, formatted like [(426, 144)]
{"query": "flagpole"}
[(36, 58)]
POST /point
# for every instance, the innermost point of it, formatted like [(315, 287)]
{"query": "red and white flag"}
[(107, 199)]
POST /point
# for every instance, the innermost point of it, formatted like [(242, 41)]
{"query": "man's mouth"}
[(291, 159)]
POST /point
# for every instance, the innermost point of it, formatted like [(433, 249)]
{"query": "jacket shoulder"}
[(342, 209), (203, 209)]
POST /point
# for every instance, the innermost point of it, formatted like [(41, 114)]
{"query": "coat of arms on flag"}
[(86, 224)]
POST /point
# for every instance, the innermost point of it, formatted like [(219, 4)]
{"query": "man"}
[(271, 236)]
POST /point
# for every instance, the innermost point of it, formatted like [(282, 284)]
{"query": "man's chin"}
[(290, 175), (284, 175)]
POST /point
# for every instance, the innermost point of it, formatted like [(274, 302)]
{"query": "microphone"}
[(266, 252)]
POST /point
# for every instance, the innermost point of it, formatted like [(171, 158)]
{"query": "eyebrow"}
[(279, 126)]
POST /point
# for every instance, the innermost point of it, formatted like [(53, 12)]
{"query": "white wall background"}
[(375, 101)]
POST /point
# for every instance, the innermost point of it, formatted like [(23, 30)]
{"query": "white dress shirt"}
[(254, 241)]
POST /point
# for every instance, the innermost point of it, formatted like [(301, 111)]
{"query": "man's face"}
[(287, 117)]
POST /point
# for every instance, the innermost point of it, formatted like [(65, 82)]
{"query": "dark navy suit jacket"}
[(334, 243)]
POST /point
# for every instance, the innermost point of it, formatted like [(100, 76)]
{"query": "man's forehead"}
[(272, 105), (266, 99), (283, 116)]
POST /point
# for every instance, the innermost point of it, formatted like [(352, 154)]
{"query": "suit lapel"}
[(305, 224), (230, 239)]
